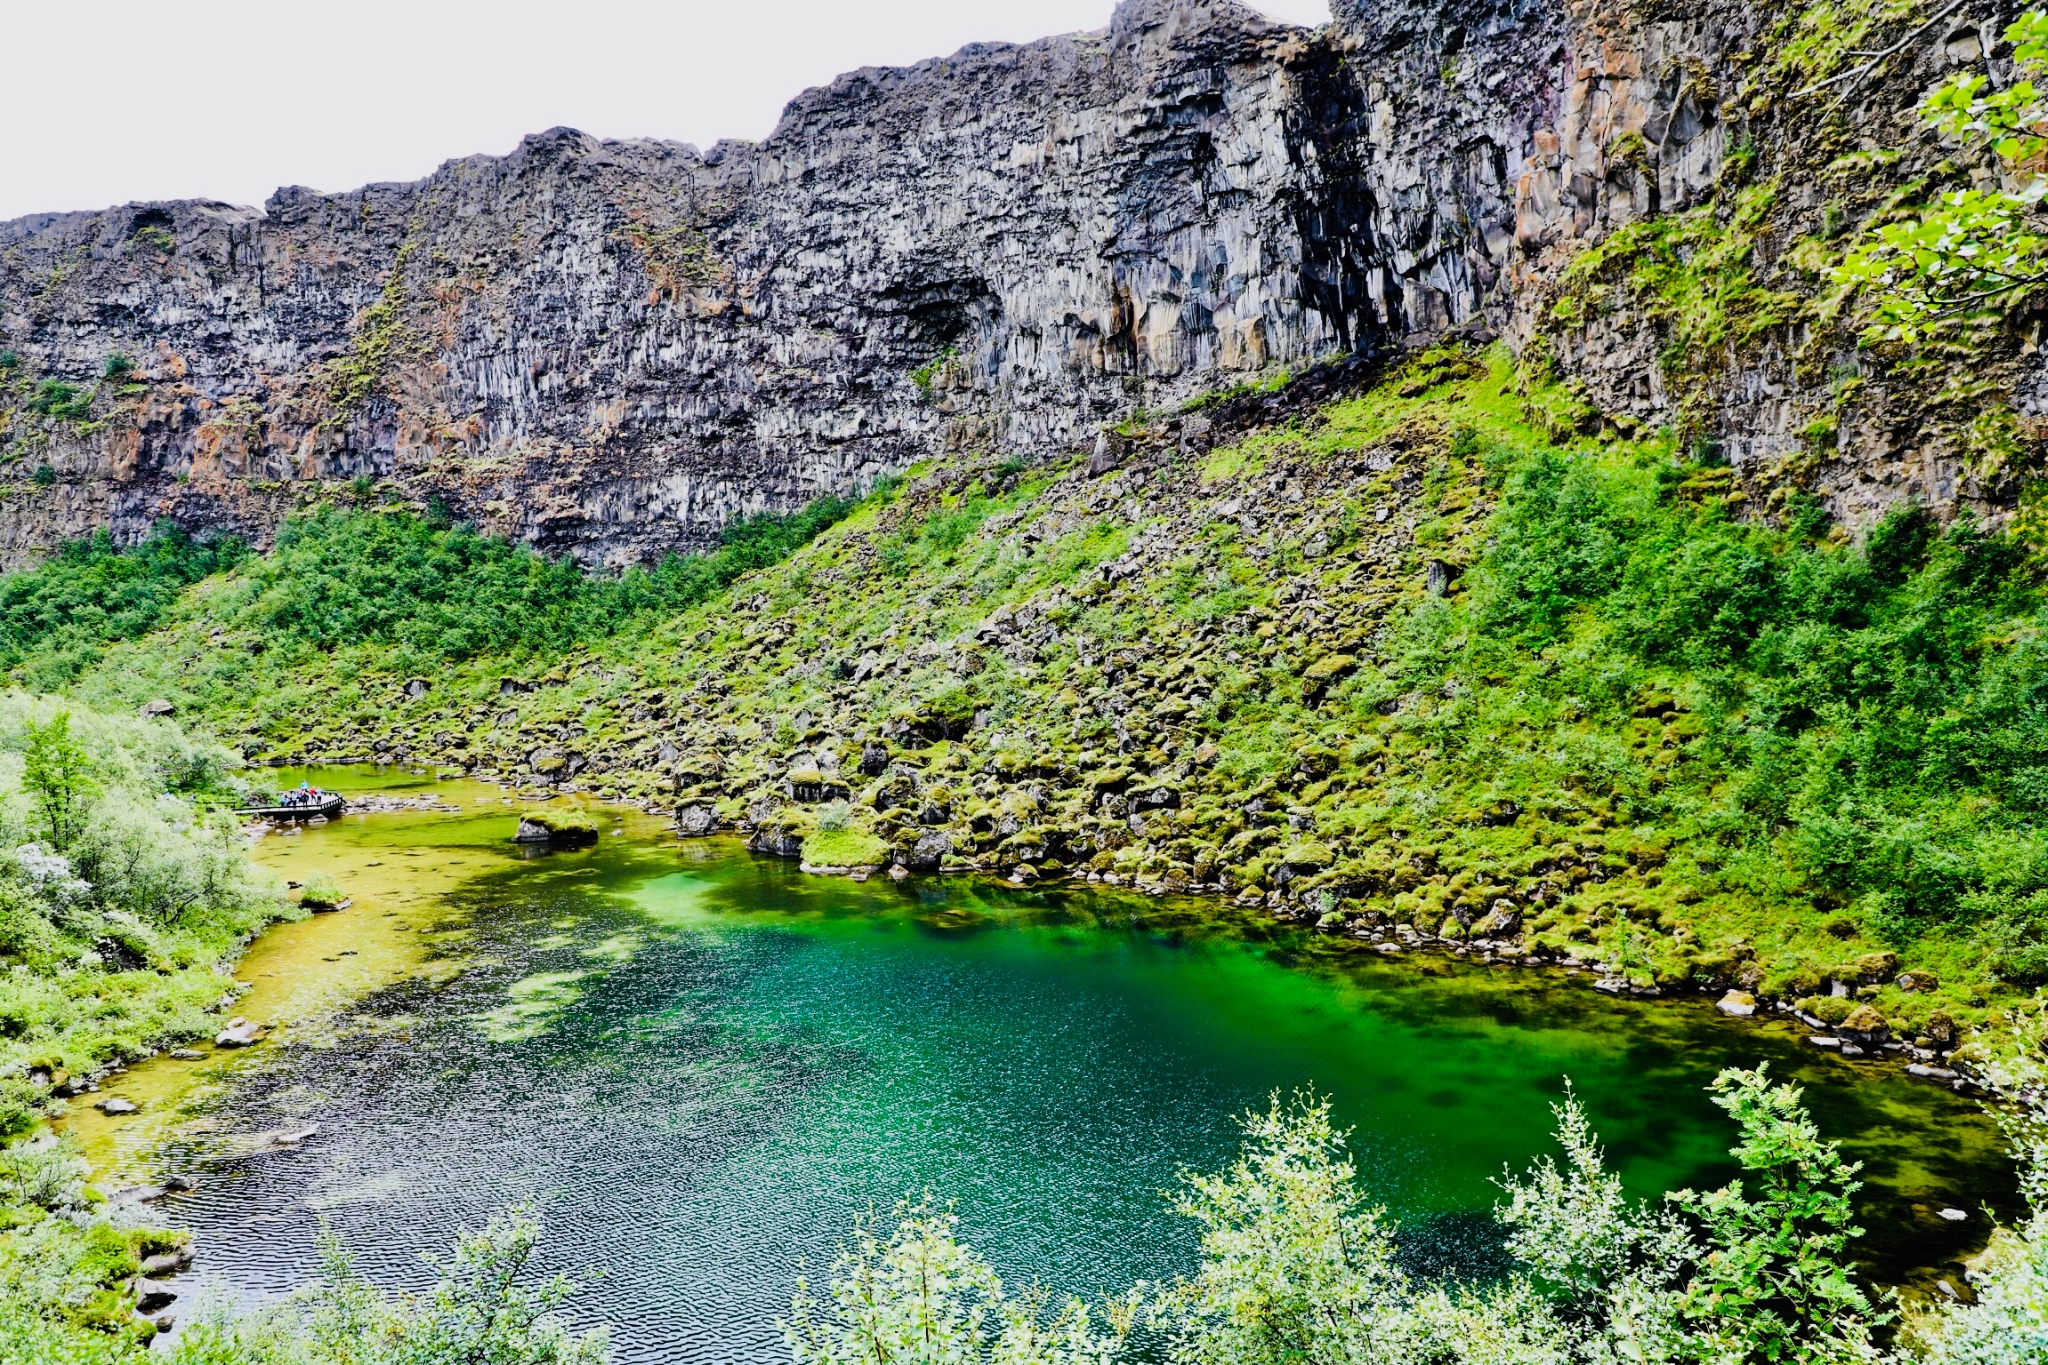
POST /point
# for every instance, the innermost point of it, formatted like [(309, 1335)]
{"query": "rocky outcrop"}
[(612, 348)]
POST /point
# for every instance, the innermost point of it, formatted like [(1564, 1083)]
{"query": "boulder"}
[(1503, 920), (1940, 1029), (240, 1032), (153, 1298), (1864, 1027), (114, 1104), (781, 842), (1107, 455), (696, 821), (166, 1263), (1740, 1004), (932, 848), (152, 709), (417, 688)]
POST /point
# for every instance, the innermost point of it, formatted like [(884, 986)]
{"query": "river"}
[(701, 1065)]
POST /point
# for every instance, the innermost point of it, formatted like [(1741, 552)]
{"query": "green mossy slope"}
[(1415, 662)]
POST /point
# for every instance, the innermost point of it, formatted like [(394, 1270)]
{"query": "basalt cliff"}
[(610, 349)]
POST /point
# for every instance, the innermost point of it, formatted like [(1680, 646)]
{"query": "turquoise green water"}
[(703, 1064)]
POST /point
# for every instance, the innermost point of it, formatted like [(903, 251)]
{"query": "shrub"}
[(348, 577), (321, 892), (89, 593)]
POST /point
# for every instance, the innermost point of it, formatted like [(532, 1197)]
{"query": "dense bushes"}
[(347, 577), (122, 883), (1873, 712), (61, 613), (340, 578)]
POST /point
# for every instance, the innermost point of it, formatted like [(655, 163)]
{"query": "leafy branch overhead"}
[(1971, 248)]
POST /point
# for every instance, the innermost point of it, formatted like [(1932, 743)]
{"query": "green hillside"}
[(1406, 655)]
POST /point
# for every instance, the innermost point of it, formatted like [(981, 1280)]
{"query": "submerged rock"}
[(1741, 1004)]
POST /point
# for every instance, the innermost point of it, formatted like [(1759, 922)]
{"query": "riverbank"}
[(294, 980)]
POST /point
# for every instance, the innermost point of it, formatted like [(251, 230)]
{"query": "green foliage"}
[(1870, 709), (64, 402), (566, 822), (2007, 1323), (57, 775), (339, 578), (66, 1299), (44, 477), (156, 236), (845, 848), (382, 338), (1692, 273), (924, 1296), (63, 612), (1977, 248), (1776, 1284), (925, 375), (117, 368), (124, 885), (1295, 1266), (483, 1311), (321, 891)]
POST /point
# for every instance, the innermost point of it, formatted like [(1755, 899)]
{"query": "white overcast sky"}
[(122, 100)]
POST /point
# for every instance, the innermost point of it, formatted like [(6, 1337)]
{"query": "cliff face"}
[(610, 349)]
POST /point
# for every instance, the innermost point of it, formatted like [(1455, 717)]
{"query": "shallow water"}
[(702, 1065)]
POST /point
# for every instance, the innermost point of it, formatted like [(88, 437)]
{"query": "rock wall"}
[(612, 348)]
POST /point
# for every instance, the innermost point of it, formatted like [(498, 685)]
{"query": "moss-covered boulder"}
[(1865, 1027), (561, 828), (845, 848)]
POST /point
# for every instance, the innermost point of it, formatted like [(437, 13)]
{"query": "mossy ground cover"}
[(1421, 657)]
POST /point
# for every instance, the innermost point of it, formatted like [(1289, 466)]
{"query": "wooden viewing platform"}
[(330, 807)]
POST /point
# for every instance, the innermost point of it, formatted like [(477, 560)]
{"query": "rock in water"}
[(239, 1033), (114, 1104), (1741, 1004)]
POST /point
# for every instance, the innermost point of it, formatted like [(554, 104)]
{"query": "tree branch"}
[(1856, 75)]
